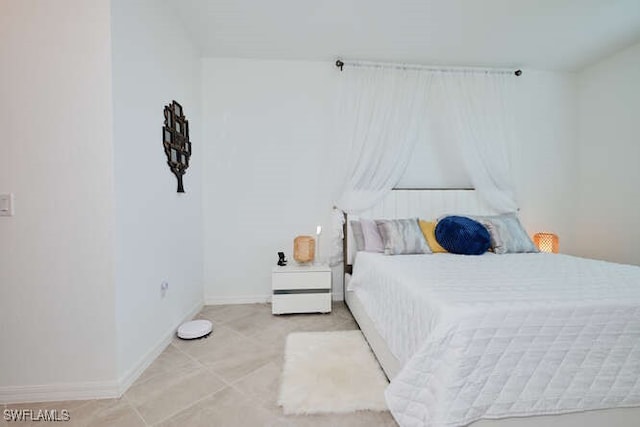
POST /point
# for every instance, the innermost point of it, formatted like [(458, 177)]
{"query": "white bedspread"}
[(497, 336)]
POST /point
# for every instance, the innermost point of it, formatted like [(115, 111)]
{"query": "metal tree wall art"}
[(175, 137)]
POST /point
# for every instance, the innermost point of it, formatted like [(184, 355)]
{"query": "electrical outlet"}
[(6, 204), (164, 287)]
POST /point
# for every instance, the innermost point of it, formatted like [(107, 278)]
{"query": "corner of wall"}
[(158, 231)]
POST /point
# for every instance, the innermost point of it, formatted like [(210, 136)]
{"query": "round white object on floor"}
[(195, 329)]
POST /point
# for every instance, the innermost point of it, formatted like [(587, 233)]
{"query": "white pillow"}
[(358, 237), (372, 237)]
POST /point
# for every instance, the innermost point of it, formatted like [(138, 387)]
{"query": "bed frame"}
[(432, 203)]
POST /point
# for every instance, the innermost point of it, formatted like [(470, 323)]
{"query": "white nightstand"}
[(301, 289)]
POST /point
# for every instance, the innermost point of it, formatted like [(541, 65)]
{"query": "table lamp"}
[(547, 242)]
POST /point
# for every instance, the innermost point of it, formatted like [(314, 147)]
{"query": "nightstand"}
[(301, 289)]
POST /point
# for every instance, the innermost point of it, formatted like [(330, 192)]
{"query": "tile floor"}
[(228, 379)]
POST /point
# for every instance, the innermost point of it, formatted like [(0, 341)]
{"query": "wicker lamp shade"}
[(547, 242), (304, 249)]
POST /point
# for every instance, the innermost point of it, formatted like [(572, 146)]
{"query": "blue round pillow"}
[(462, 235)]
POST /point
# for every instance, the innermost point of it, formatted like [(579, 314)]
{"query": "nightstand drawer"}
[(302, 280), (301, 303)]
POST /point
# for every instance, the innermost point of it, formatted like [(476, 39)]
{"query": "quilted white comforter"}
[(497, 336)]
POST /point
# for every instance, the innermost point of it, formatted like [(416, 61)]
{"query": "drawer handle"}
[(301, 291)]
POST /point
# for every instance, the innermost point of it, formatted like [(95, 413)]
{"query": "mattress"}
[(498, 336)]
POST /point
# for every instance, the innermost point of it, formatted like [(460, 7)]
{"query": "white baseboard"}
[(251, 299), (125, 381), (92, 389), (245, 299), (61, 391)]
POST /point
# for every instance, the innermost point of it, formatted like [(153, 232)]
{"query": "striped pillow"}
[(507, 234), (402, 236)]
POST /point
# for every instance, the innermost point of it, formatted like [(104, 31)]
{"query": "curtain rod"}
[(340, 64)]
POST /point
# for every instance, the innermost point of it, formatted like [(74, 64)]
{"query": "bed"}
[(497, 340)]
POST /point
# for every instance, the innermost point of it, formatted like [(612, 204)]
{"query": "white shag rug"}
[(330, 372)]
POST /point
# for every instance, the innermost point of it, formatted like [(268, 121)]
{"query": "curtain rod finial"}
[(518, 73), (339, 64)]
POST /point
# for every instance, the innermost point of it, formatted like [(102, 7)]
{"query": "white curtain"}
[(476, 105), (381, 117), (383, 112)]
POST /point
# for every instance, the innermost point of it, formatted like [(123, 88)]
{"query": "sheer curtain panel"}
[(381, 115), (476, 105)]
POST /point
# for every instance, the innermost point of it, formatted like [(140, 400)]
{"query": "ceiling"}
[(545, 34)]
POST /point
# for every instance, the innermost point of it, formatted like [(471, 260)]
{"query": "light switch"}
[(6, 204)]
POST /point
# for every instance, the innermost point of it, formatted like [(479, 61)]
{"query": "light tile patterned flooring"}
[(228, 379)]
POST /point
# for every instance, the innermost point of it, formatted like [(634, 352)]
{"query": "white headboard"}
[(426, 204)]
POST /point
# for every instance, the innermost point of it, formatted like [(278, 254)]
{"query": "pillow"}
[(428, 229), (507, 234), (402, 236), (462, 235), (358, 237), (371, 236)]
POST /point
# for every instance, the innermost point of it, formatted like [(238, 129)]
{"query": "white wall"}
[(158, 231), (268, 176), (98, 223), (544, 160), (608, 226), (57, 327), (266, 126)]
